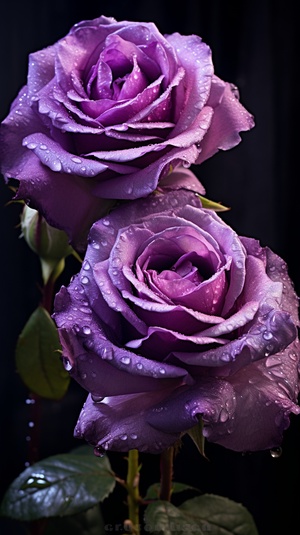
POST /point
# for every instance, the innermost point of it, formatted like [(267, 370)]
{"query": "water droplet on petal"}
[(267, 335), (86, 265), (125, 360), (56, 165), (107, 353), (225, 357), (86, 329), (96, 398), (67, 364), (99, 451), (223, 415)]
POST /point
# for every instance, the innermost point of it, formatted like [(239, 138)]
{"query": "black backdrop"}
[(254, 46)]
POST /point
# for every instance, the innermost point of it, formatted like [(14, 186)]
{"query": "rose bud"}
[(49, 243)]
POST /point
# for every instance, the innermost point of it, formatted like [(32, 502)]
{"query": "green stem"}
[(134, 498), (166, 474)]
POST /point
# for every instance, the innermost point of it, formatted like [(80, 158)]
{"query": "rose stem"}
[(166, 473), (132, 482), (37, 527)]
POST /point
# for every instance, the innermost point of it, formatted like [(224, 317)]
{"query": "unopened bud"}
[(49, 243)]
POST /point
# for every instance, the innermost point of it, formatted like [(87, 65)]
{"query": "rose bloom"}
[(106, 112), (174, 317)]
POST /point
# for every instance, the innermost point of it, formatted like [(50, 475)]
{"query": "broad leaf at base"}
[(60, 485), (205, 514)]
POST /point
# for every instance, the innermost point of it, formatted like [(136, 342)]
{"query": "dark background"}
[(254, 47)]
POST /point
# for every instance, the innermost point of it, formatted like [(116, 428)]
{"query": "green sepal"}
[(212, 205), (51, 268), (154, 490), (196, 434), (60, 485), (204, 514), (38, 359)]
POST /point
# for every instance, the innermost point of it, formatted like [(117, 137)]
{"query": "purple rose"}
[(174, 316), (107, 112)]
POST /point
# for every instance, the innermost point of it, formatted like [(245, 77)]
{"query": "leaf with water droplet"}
[(204, 514), (38, 359), (60, 485)]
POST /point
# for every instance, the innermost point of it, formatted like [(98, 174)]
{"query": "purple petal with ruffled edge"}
[(266, 394), (229, 119), (115, 424)]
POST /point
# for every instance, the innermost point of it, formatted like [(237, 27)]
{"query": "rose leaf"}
[(38, 357), (154, 489), (204, 514), (60, 485)]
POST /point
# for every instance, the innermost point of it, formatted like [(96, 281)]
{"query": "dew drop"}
[(67, 364), (224, 416), (86, 265), (123, 437), (107, 353), (84, 280), (276, 452), (30, 401), (267, 335), (99, 451), (292, 355), (225, 357), (96, 398), (125, 360), (76, 160), (56, 165), (86, 329)]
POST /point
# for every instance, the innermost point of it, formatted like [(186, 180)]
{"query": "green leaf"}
[(154, 489), (88, 523), (212, 205), (60, 485), (208, 513), (38, 357)]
